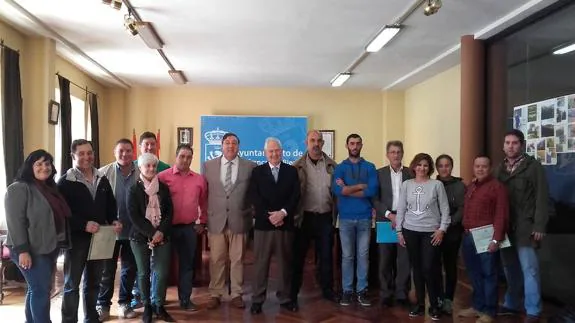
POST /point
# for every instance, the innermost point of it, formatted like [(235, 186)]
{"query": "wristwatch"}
[(495, 241)]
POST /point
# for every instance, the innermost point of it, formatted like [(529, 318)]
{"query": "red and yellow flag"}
[(158, 142), (134, 144)]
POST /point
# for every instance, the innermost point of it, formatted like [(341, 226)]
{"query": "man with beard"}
[(315, 217), (355, 184), (526, 183)]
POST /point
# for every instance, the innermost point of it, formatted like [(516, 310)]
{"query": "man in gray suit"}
[(229, 219), (394, 266)]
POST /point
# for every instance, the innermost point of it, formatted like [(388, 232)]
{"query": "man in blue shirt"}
[(355, 183)]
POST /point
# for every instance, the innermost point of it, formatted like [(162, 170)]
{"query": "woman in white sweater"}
[(422, 219)]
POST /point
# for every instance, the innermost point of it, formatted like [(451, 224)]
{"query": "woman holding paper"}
[(36, 215), (455, 190), (422, 219), (150, 209), (486, 206)]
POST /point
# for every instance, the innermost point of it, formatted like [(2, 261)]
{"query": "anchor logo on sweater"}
[(418, 192)]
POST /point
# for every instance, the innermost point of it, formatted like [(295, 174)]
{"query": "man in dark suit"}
[(394, 267), (274, 192)]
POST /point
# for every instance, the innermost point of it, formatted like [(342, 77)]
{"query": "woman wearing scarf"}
[(36, 215), (150, 209)]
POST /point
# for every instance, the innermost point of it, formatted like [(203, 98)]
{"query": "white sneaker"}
[(126, 312), (103, 313)]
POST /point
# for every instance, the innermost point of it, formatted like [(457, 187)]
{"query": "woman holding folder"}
[(422, 219), (36, 215), (150, 209)]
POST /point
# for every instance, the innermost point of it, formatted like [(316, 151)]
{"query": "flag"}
[(158, 143), (134, 144)]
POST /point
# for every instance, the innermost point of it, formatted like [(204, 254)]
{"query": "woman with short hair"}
[(37, 218), (150, 209), (422, 219)]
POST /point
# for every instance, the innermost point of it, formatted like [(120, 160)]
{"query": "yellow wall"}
[(38, 64), (345, 111), (432, 117)]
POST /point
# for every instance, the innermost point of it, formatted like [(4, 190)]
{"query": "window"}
[(79, 128)]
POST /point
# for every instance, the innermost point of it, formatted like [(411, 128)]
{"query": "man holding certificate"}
[(486, 208), (89, 196)]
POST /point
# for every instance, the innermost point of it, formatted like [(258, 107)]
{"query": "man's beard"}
[(351, 154)]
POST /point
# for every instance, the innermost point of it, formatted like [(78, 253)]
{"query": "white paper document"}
[(103, 243), (483, 236)]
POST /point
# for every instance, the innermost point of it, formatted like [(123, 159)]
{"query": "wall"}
[(345, 111), (432, 117)]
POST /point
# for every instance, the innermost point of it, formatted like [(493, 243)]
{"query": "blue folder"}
[(384, 233)]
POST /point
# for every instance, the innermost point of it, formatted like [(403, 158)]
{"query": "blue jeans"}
[(521, 267), (127, 275), (39, 280), (161, 256), (184, 241), (482, 270), (354, 236)]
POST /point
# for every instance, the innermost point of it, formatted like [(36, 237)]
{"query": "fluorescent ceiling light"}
[(384, 36), (149, 35), (178, 76), (565, 49), (339, 79)]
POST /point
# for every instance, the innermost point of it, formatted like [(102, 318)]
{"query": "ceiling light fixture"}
[(564, 49), (384, 37), (117, 4), (432, 7), (339, 79), (130, 24), (178, 76), (149, 35)]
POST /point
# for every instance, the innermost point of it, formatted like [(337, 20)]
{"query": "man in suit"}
[(229, 220), (274, 192), (394, 267)]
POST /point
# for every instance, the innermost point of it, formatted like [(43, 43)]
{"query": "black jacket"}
[(101, 209), (455, 190), (142, 228), (267, 195)]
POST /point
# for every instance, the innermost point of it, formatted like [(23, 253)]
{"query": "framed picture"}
[(53, 112), (185, 136), (328, 142)]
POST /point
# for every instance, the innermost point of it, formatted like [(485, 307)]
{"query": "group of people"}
[(157, 209)]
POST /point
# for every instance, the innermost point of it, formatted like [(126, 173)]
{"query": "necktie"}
[(275, 171), (228, 179)]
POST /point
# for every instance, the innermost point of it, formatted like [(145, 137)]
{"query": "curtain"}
[(12, 113), (93, 99), (66, 120)]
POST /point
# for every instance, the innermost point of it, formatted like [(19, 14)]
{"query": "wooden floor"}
[(312, 307)]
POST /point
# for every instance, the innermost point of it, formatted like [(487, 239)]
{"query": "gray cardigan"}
[(30, 220)]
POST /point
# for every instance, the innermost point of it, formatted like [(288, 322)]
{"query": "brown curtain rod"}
[(79, 86), (6, 46)]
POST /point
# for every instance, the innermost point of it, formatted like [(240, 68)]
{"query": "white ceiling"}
[(299, 43)]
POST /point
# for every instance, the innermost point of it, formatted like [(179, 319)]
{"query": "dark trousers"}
[(161, 256), (449, 253), (394, 271), (39, 280), (76, 264), (184, 241), (482, 270), (319, 228), (267, 243), (127, 275), (425, 260)]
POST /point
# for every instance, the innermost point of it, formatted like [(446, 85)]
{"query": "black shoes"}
[(163, 315), (290, 306), (435, 313), (148, 313), (417, 310), (330, 295), (256, 308)]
